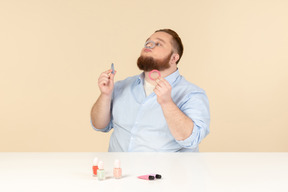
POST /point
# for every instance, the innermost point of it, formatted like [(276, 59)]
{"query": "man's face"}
[(159, 56)]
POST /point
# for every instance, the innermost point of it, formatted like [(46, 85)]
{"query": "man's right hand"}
[(106, 82), (100, 112)]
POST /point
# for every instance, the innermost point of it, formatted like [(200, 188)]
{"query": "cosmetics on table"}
[(95, 166), (98, 170), (101, 171), (146, 177), (150, 177), (117, 171), (157, 176)]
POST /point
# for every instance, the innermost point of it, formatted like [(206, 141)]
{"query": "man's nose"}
[(150, 44)]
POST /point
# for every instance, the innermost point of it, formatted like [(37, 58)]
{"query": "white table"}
[(180, 171)]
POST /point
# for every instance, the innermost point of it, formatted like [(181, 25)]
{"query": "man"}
[(165, 114)]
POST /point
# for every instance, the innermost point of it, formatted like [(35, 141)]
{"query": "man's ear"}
[(174, 58)]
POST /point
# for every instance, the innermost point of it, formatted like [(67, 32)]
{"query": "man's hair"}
[(176, 41)]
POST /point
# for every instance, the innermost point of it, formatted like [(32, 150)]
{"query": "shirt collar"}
[(173, 77)]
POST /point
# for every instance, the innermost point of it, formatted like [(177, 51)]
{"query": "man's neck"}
[(163, 73)]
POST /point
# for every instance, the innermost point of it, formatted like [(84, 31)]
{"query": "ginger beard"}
[(149, 63)]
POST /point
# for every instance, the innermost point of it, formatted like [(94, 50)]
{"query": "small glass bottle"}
[(101, 171), (117, 172), (95, 166)]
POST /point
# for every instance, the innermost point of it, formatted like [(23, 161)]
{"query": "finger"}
[(108, 71), (158, 88), (164, 83), (162, 80), (105, 74), (160, 83), (156, 91), (103, 77), (157, 80), (112, 75), (103, 82)]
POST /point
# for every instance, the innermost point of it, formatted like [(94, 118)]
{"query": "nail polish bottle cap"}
[(100, 165), (117, 163), (95, 161)]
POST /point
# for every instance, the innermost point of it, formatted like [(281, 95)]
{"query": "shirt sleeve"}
[(106, 129), (196, 107)]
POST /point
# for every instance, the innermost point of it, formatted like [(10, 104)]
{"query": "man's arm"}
[(100, 112), (180, 125)]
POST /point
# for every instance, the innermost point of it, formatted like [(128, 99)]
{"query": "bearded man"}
[(165, 113)]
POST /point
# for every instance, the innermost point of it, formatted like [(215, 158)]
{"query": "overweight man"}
[(159, 112)]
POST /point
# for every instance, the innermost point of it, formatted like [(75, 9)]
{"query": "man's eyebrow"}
[(157, 39), (161, 40)]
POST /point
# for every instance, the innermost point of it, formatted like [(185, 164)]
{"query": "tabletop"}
[(65, 171)]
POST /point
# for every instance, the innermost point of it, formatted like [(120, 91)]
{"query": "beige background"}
[(52, 53)]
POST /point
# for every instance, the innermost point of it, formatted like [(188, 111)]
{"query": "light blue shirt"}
[(138, 121)]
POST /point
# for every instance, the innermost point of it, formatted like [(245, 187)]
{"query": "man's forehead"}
[(161, 36)]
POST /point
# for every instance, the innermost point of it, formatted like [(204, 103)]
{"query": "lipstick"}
[(146, 177), (157, 176), (150, 177), (112, 67)]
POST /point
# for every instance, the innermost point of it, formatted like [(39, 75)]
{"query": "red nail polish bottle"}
[(95, 166)]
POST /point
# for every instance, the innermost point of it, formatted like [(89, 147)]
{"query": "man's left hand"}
[(163, 91)]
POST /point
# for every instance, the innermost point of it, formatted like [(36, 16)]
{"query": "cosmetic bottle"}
[(117, 172), (95, 166), (101, 171)]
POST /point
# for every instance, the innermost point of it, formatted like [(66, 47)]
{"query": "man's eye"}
[(158, 44)]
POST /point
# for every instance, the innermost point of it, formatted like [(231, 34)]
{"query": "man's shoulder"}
[(186, 91), (127, 81), (183, 84)]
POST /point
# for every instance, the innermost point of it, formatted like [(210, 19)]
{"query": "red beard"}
[(149, 63)]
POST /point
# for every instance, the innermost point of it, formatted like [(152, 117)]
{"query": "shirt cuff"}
[(190, 141), (106, 129)]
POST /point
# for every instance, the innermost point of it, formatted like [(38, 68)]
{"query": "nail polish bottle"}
[(101, 171), (117, 172), (95, 166)]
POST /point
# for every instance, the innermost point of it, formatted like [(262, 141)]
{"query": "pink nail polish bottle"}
[(95, 166), (117, 172)]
